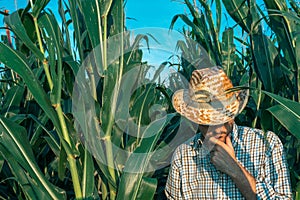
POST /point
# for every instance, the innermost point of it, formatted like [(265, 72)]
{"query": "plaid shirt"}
[(193, 176)]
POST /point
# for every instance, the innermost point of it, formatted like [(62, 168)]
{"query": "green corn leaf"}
[(18, 63), (106, 6), (1, 161), (297, 51), (296, 8), (146, 190), (211, 32), (185, 19), (201, 32), (53, 145), (51, 57), (65, 25), (72, 64), (265, 53), (88, 183), (13, 138), (116, 8), (86, 120), (289, 115), (194, 13), (124, 115), (14, 22), (130, 186), (228, 49), (143, 102), (159, 71), (91, 19), (68, 81), (297, 197), (135, 46), (292, 106), (76, 24), (148, 186), (12, 100), (238, 10), (108, 98), (43, 119), (28, 23), (26, 183), (49, 23), (62, 163), (283, 27), (286, 118), (38, 6), (218, 16)]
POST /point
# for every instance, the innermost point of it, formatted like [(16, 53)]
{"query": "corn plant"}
[(77, 106), (266, 53), (49, 146)]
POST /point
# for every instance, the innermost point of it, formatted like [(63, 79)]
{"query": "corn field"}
[(77, 103)]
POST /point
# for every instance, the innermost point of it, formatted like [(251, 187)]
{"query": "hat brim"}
[(211, 113)]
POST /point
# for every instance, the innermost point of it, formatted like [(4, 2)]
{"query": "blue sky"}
[(143, 14), (140, 14), (152, 13), (149, 16), (147, 13)]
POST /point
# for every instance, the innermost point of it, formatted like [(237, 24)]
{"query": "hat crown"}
[(207, 100), (210, 84)]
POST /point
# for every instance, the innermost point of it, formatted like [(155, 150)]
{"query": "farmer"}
[(224, 160)]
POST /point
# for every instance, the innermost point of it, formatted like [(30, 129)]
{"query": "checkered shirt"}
[(193, 176)]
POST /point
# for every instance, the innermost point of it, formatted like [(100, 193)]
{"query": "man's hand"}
[(223, 158), (222, 155)]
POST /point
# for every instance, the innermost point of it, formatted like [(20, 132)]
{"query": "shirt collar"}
[(197, 141), (234, 135)]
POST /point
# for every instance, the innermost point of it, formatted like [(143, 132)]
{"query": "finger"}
[(228, 141), (212, 159), (212, 140), (212, 155), (212, 143)]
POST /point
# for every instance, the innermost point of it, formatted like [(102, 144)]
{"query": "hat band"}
[(215, 104)]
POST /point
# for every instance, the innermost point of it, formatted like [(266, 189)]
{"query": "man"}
[(224, 161)]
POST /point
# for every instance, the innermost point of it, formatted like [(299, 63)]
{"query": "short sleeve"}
[(173, 185), (273, 181)]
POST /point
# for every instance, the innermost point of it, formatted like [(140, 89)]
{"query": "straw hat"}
[(206, 101)]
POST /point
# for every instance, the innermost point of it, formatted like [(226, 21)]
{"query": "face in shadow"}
[(219, 132)]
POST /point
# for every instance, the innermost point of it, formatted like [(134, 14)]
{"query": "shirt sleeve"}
[(173, 185), (273, 181)]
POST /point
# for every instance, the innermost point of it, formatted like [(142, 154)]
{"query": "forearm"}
[(244, 181)]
